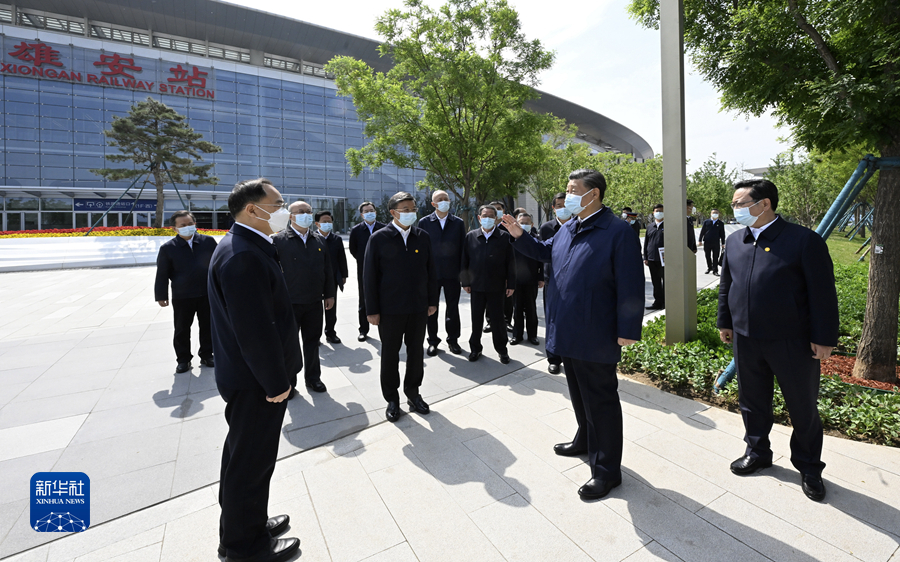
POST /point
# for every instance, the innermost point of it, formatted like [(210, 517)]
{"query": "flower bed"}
[(100, 231)]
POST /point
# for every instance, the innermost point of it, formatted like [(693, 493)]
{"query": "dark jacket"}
[(779, 287), (359, 237), (548, 231), (253, 328), (528, 271), (691, 235), (307, 267), (488, 265), (596, 289), (446, 242), (636, 227), (712, 232), (335, 246), (654, 239), (400, 279), (187, 267)]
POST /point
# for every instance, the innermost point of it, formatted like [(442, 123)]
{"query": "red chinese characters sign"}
[(40, 60)]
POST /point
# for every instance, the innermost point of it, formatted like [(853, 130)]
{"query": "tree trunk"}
[(877, 355), (160, 199)]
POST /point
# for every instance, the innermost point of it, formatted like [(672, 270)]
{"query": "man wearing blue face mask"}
[(447, 233), (561, 216), (359, 238), (335, 246), (185, 261), (401, 293), (654, 241)]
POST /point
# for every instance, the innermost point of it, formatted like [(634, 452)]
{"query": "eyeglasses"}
[(279, 205), (742, 204)]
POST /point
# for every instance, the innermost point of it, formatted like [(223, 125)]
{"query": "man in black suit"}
[(306, 263), (561, 216), (359, 238), (691, 235), (488, 274), (258, 354), (630, 217), (185, 260), (529, 278), (654, 240), (712, 238), (401, 293), (508, 302), (338, 257), (447, 233), (778, 305)]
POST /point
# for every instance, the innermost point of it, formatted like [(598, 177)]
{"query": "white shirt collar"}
[(443, 220), (757, 231), (487, 234), (302, 236), (263, 234), (190, 241), (369, 226), (403, 233), (592, 214), (323, 234)]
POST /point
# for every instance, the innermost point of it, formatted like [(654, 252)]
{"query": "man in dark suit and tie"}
[(359, 238), (185, 261), (488, 274), (595, 308), (258, 354), (401, 293), (712, 238), (447, 233), (561, 216), (778, 306), (335, 246), (306, 263), (654, 240)]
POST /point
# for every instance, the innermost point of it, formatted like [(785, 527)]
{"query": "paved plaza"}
[(88, 385)]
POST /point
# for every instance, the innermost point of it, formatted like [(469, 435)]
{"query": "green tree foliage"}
[(828, 69), (711, 187), (155, 138), (559, 156), (453, 102), (638, 185), (802, 195)]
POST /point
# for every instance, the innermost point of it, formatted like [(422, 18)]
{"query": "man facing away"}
[(595, 308), (712, 238), (310, 280), (401, 293), (778, 306), (488, 274), (359, 238), (338, 257), (185, 261), (561, 216), (447, 233), (258, 353)]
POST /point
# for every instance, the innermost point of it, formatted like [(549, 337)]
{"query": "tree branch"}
[(817, 38)]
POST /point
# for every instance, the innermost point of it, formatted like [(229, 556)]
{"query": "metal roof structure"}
[(223, 23)]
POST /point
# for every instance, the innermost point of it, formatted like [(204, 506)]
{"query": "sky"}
[(604, 61)]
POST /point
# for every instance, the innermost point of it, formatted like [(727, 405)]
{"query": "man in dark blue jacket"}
[(447, 233), (338, 257), (712, 238), (185, 261), (529, 278), (359, 238), (258, 354), (401, 293), (596, 296), (560, 216), (778, 305)]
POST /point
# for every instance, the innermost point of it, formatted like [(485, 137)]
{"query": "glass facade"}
[(59, 94)]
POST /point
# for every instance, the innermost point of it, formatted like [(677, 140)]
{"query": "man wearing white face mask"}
[(359, 239), (712, 238), (654, 241), (335, 246), (185, 261)]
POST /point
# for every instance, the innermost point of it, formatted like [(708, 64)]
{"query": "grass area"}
[(843, 251)]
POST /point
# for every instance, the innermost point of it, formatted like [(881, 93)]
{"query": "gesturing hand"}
[(512, 226)]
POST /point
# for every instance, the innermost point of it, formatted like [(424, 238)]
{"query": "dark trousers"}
[(331, 319), (491, 302), (593, 388), (508, 305), (658, 278), (248, 461), (184, 310), (552, 358), (712, 256), (759, 362), (309, 320), (395, 330), (363, 319), (451, 290), (525, 314)]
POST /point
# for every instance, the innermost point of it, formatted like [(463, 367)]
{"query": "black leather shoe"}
[(594, 489), (279, 551), (292, 394), (393, 411), (553, 369), (509, 327), (748, 465), (515, 341), (183, 367), (333, 339), (487, 329), (474, 356), (361, 337), (418, 405), (432, 350), (208, 362), (504, 359), (454, 347), (533, 341), (569, 450), (708, 272), (716, 273), (275, 525), (813, 487), (316, 385)]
